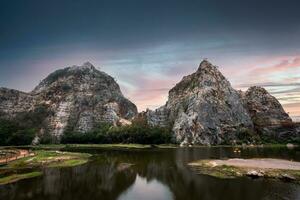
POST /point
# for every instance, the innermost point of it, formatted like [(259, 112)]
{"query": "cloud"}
[(292, 108), (146, 90), (280, 67), (267, 84)]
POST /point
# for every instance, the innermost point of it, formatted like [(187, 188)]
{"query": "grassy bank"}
[(14, 171), (16, 177), (65, 147), (45, 158), (209, 167), (121, 146)]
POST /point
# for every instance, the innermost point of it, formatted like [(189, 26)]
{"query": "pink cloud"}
[(148, 91), (292, 108), (282, 66)]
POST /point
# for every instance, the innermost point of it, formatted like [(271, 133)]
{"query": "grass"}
[(45, 158), (16, 177), (247, 146), (104, 146), (226, 171), (67, 146), (223, 171), (41, 158), (131, 146), (69, 163), (126, 146)]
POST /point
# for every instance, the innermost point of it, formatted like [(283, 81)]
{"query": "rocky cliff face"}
[(13, 102), (203, 108), (268, 116), (76, 98), (264, 109)]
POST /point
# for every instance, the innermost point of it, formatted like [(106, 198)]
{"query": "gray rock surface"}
[(13, 102), (268, 115), (203, 108), (263, 108), (77, 98)]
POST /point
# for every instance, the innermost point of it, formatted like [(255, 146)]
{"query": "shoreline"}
[(140, 146), (255, 167), (61, 155), (31, 166)]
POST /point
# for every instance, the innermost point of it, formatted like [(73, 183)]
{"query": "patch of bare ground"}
[(265, 163), (267, 168)]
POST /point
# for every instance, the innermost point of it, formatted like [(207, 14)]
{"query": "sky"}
[(149, 45)]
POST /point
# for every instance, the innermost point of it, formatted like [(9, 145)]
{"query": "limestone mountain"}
[(203, 108), (76, 98)]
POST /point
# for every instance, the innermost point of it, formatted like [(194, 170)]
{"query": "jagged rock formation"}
[(267, 114), (76, 98), (14, 101), (263, 108), (203, 108)]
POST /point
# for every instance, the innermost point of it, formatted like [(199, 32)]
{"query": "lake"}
[(156, 174)]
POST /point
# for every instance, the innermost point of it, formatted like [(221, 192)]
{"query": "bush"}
[(33, 119), (22, 137), (65, 87), (21, 130), (46, 138), (12, 133), (245, 135)]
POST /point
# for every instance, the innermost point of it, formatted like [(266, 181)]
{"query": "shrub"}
[(33, 119), (22, 137), (11, 133), (246, 135)]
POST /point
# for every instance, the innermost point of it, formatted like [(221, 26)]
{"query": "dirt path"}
[(21, 154), (266, 163)]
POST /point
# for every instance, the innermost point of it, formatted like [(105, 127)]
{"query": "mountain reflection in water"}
[(147, 190), (152, 174)]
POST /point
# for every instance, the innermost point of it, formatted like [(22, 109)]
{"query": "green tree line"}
[(106, 134)]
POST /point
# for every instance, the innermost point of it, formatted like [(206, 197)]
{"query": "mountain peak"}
[(206, 77), (205, 65), (84, 66), (204, 62), (88, 64)]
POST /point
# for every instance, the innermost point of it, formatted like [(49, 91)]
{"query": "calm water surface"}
[(154, 174)]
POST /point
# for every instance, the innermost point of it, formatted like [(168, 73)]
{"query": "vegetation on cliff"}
[(11, 133), (22, 129), (81, 104), (137, 132)]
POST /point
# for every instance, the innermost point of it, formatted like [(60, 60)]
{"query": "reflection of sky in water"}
[(143, 189), (156, 175)]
